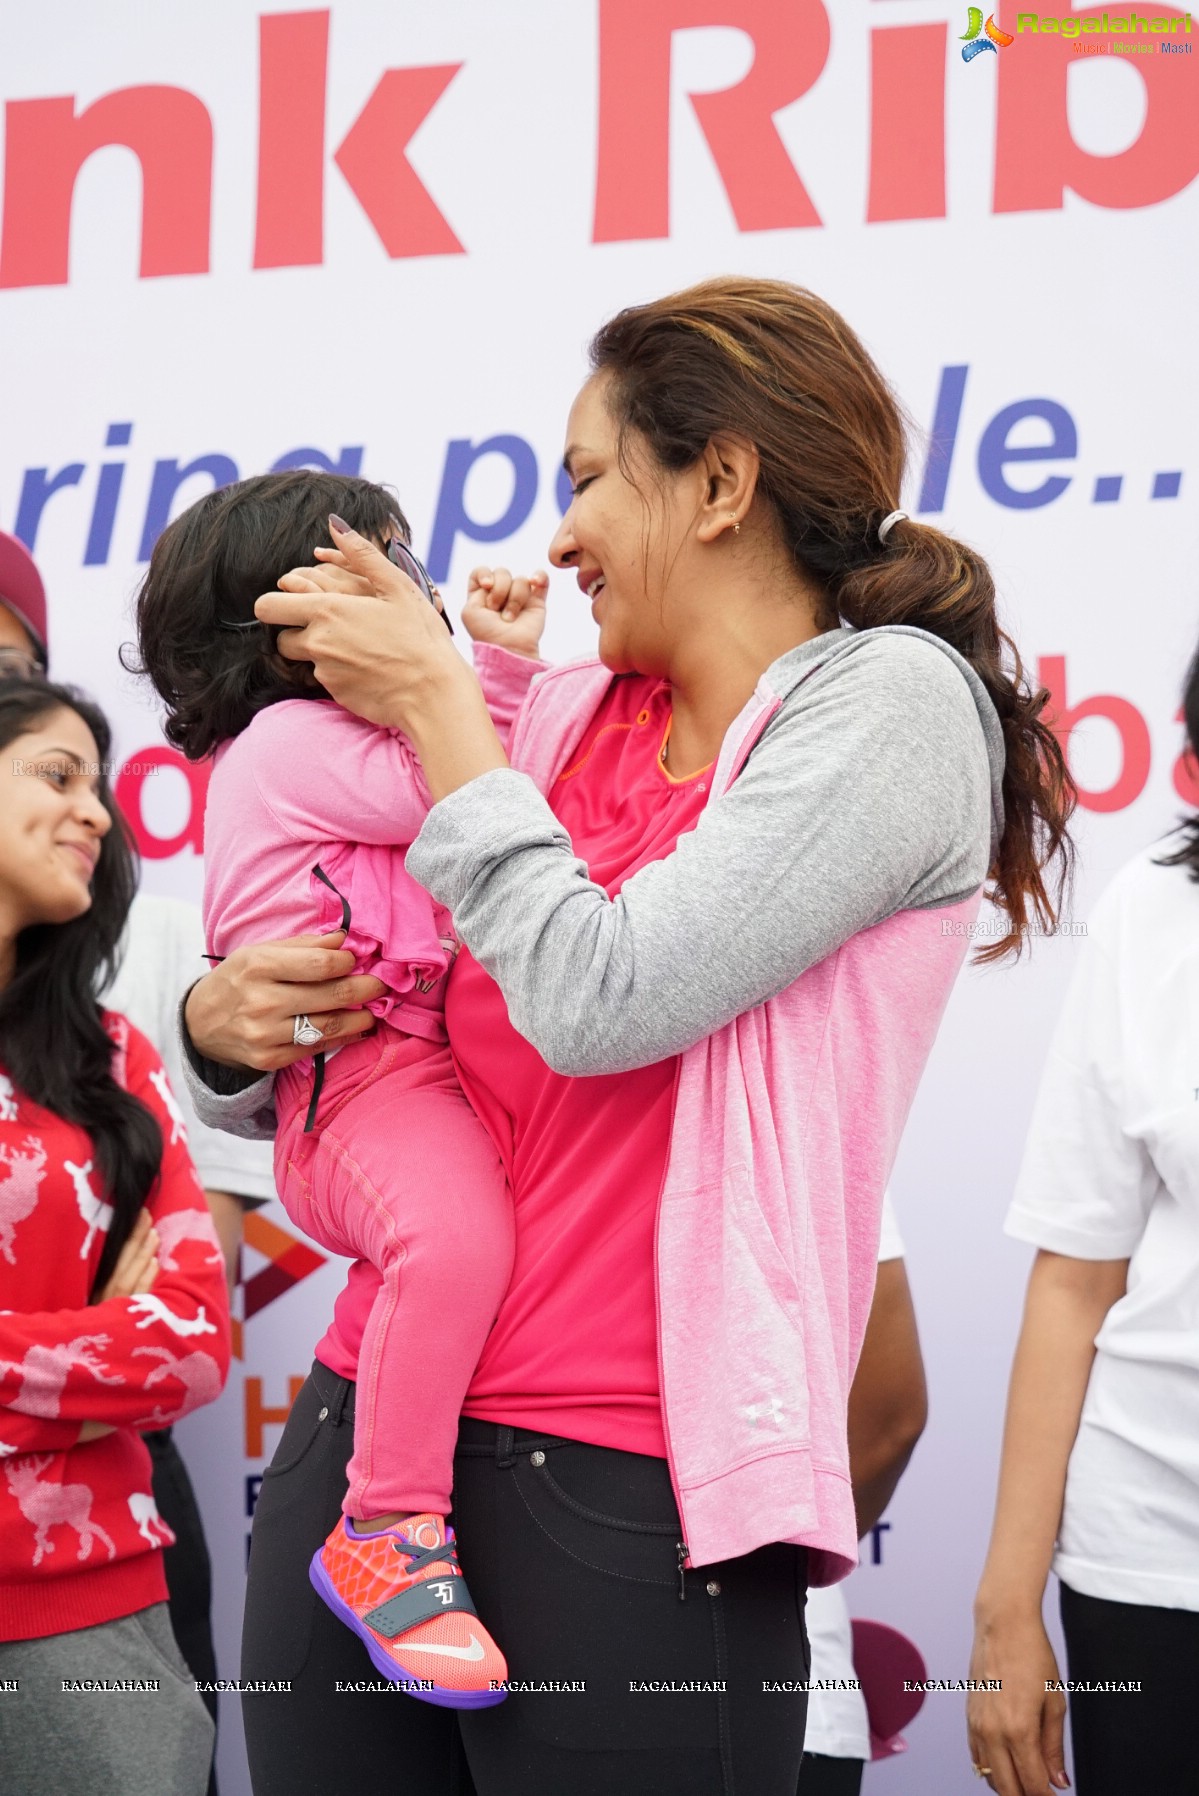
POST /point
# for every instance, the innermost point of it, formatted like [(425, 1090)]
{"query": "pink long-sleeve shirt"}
[(308, 784)]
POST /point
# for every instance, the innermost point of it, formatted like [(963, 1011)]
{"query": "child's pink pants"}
[(399, 1171)]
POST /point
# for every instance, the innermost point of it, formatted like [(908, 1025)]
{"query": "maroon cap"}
[(22, 591)]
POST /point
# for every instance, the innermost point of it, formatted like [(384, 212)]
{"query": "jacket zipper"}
[(682, 1552), (674, 1483), (515, 745)]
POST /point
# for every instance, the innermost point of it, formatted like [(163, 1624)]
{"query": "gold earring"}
[(734, 523)]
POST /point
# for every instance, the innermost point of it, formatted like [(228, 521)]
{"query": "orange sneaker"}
[(404, 1595)]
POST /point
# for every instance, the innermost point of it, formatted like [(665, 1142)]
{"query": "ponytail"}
[(782, 368), (929, 580)]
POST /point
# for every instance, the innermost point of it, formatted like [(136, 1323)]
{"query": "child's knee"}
[(474, 1258)]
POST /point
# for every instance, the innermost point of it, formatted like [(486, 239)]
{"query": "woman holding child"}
[(700, 897)]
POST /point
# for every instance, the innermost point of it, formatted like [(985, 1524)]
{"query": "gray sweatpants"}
[(106, 1741)]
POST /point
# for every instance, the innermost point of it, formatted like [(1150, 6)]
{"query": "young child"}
[(378, 1154)]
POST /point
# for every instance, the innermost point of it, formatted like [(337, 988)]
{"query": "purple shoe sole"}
[(442, 1698)]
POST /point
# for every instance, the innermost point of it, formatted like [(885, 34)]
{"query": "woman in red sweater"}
[(113, 1314)]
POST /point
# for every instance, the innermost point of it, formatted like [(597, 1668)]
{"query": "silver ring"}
[(305, 1034)]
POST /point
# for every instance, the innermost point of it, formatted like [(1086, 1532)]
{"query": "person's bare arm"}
[(888, 1402), (1018, 1731), (228, 1218)]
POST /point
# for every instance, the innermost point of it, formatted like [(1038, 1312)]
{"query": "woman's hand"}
[(506, 609), (137, 1263), (243, 1012), (394, 664), (1017, 1731), (388, 662)]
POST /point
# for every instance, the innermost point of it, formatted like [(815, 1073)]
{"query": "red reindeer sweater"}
[(80, 1539)]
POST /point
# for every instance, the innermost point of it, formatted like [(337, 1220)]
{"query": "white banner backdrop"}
[(380, 235)]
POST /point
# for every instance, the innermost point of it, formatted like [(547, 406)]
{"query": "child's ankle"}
[(375, 1524)]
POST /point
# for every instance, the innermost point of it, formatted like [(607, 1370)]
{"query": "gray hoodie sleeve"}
[(226, 1097), (869, 792)]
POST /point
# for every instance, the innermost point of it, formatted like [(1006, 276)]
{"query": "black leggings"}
[(823, 1776), (571, 1554), (1130, 1740)]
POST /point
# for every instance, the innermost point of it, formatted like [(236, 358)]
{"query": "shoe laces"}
[(420, 1557)]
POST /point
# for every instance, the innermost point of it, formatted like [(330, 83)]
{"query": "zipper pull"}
[(682, 1557)]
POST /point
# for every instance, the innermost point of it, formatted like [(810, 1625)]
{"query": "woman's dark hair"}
[(1187, 853), (775, 364), (207, 569), (53, 1043)]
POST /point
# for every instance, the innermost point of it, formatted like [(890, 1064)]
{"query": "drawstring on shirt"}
[(318, 1060)]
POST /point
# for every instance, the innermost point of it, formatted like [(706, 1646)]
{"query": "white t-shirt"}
[(1111, 1170), (837, 1725), (161, 956)]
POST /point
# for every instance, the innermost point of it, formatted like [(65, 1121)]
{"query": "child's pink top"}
[(308, 784)]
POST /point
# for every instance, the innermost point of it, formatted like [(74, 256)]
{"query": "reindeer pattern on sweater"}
[(80, 1539)]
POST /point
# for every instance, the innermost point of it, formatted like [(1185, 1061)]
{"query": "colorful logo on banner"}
[(288, 1262), (974, 43), (1094, 26)]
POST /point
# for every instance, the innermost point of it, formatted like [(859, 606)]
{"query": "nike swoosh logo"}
[(474, 1651)]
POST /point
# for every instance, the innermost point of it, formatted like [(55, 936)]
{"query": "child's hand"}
[(508, 609)]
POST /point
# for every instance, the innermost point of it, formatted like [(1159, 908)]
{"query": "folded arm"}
[(137, 1360)]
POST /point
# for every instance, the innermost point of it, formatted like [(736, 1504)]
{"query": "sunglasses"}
[(15, 664), (399, 555)]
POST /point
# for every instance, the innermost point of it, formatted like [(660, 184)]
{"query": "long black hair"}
[(207, 569), (53, 1043), (1187, 853)]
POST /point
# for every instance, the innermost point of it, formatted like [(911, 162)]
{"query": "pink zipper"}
[(750, 740), (752, 734), (684, 1557)]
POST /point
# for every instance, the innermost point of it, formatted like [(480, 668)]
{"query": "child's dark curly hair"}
[(207, 569)]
